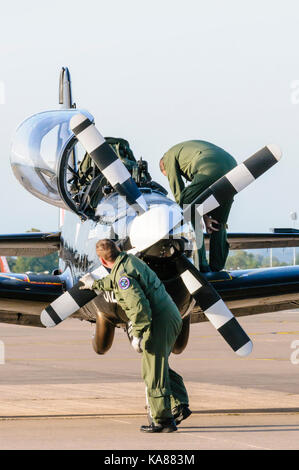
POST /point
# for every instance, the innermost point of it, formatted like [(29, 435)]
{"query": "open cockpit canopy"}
[(44, 157)]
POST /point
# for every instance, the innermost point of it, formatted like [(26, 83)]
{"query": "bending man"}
[(155, 325), (201, 163)]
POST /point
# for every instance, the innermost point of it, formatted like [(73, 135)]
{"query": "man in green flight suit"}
[(155, 325), (90, 177), (201, 163)]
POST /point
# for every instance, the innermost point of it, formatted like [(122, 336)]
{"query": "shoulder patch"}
[(124, 282)]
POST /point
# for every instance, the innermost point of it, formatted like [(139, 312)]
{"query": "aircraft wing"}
[(42, 244), (243, 241), (24, 296), (254, 291), (29, 244)]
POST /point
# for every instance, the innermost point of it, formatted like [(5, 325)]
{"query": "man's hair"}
[(161, 164), (107, 249)]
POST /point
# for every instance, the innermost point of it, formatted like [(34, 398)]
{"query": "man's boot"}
[(168, 425), (181, 412)]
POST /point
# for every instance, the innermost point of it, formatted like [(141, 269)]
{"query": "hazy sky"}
[(156, 73)]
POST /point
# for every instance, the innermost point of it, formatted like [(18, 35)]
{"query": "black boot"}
[(181, 412), (166, 426)]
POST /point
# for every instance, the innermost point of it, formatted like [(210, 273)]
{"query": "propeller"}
[(226, 187), (158, 222)]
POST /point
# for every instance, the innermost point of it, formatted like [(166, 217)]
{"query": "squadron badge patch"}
[(124, 283)]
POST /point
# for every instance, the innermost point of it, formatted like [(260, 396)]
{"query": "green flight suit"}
[(156, 319), (88, 170), (201, 163)]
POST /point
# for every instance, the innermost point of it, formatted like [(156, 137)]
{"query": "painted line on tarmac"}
[(264, 333), (222, 441), (239, 411)]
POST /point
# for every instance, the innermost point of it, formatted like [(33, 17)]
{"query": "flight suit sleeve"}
[(103, 284), (174, 176), (136, 305)]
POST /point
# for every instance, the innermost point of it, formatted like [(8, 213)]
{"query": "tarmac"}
[(56, 393)]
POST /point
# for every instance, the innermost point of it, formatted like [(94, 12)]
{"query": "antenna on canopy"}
[(65, 89), (66, 102)]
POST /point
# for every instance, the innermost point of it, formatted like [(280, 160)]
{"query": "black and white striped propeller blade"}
[(69, 302), (107, 161), (235, 180), (213, 307)]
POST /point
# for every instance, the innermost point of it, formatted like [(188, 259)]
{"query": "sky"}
[(157, 73)]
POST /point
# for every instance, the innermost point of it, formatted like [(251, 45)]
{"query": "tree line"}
[(238, 259)]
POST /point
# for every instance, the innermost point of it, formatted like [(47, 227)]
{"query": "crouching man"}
[(155, 325)]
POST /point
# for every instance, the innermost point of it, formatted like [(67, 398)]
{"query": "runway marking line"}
[(256, 334), (237, 412), (200, 436), (119, 421)]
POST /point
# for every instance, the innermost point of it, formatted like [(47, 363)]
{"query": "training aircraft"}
[(107, 201)]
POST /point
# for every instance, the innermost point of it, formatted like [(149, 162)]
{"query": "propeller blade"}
[(107, 161), (69, 302), (235, 180), (213, 307)]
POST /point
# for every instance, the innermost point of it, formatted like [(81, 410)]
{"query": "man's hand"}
[(87, 282), (209, 224), (136, 344)]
